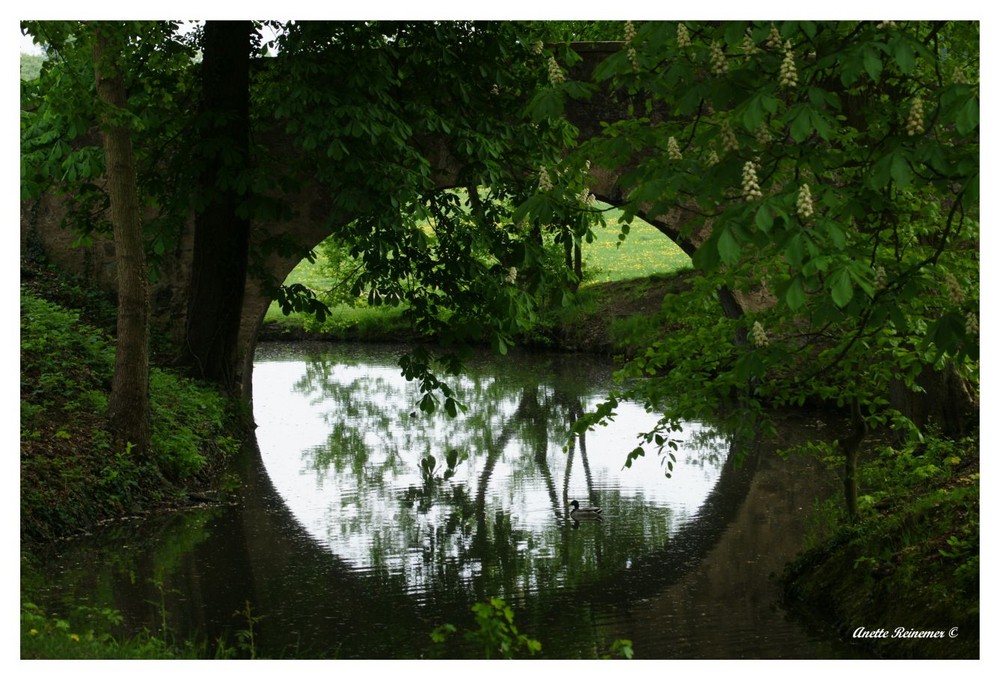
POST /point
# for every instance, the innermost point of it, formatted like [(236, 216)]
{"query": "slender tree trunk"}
[(222, 236), (850, 446), (128, 406)]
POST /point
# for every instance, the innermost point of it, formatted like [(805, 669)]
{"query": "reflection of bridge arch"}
[(292, 571)]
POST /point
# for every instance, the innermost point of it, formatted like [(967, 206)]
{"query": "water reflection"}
[(342, 442), (346, 550)]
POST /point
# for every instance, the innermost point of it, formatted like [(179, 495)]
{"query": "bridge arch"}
[(314, 213)]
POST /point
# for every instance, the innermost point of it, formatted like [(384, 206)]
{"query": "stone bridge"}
[(40, 226)]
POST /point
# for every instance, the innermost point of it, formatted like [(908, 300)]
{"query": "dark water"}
[(344, 548)]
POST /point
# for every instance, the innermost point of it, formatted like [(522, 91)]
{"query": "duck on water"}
[(584, 512)]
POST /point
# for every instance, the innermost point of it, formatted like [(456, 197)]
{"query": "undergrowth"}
[(71, 474), (911, 561)]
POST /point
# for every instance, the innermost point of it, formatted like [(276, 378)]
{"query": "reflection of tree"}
[(459, 541)]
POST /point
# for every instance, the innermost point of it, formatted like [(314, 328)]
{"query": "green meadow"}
[(644, 252)]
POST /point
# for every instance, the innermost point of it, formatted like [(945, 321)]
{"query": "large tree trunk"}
[(222, 237), (128, 406)]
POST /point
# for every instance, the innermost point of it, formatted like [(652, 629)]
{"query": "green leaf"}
[(802, 125), (837, 234), (906, 59), (753, 114), (706, 257), (821, 123), (967, 118), (841, 288), (851, 69), (547, 104), (729, 248), (873, 62), (900, 170), (763, 219), (795, 250), (795, 296), (882, 171)]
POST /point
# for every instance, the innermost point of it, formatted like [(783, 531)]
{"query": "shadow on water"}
[(334, 574)]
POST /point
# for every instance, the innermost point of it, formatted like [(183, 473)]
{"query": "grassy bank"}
[(71, 476), (908, 571)]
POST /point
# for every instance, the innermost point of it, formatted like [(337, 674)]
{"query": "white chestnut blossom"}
[(971, 324), (751, 187), (729, 142), (712, 159), (544, 181), (788, 76), (718, 57), (683, 37), (629, 31), (954, 289), (881, 279), (556, 75), (757, 335), (804, 203), (774, 38), (673, 150), (749, 46), (915, 121), (633, 58), (763, 134)]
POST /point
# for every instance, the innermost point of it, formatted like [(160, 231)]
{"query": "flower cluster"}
[(537, 47), (633, 56), (729, 142), (555, 73), (958, 76), (673, 151), (586, 198), (774, 38), (955, 293), (915, 122), (885, 24), (544, 181), (971, 324), (788, 77), (683, 37), (749, 46), (719, 65), (751, 188), (804, 203), (757, 335), (881, 279), (511, 275), (763, 134), (712, 158)]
